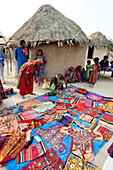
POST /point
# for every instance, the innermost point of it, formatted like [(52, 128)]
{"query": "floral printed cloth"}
[(76, 163)]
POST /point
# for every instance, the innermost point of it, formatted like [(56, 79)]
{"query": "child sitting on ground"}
[(83, 74)]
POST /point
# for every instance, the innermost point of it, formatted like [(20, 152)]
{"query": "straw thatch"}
[(99, 40), (49, 25)]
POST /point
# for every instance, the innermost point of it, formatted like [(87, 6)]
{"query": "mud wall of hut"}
[(60, 58), (100, 52)]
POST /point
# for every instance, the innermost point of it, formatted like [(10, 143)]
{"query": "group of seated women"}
[(72, 75)]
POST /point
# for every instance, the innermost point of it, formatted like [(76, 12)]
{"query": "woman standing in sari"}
[(25, 78), (40, 71)]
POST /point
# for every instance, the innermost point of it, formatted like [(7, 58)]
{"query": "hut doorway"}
[(90, 52)]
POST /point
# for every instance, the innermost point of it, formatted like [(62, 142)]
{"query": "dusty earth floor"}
[(103, 87)]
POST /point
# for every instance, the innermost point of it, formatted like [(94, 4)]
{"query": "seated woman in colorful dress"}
[(58, 82), (25, 78), (40, 71), (71, 75), (78, 73), (61, 81)]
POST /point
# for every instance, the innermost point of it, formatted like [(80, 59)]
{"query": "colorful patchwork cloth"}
[(31, 124), (106, 125), (86, 118), (49, 161), (108, 107), (106, 134), (50, 118), (79, 124), (12, 146), (60, 104), (29, 103), (77, 163), (74, 100), (107, 118), (8, 110), (8, 123), (71, 112), (82, 91), (82, 141), (108, 99), (2, 140), (28, 114), (56, 111), (34, 151), (69, 106), (92, 111), (66, 120), (43, 107), (104, 131), (72, 89), (87, 102), (94, 97), (53, 136)]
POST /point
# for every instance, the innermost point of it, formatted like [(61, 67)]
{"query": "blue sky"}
[(90, 15)]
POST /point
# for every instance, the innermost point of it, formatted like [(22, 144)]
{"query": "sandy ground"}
[(103, 87)]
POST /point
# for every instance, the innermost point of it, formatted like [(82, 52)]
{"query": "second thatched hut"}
[(100, 46)]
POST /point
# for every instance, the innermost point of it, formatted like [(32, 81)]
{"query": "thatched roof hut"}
[(49, 29), (99, 40), (100, 45), (49, 25)]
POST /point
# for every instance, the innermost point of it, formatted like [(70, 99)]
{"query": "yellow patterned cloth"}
[(108, 107)]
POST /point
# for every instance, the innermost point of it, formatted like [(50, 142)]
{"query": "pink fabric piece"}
[(94, 97), (25, 51), (39, 80), (79, 76), (45, 98), (30, 114), (70, 68)]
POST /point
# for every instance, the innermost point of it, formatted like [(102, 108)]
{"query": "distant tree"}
[(1, 36)]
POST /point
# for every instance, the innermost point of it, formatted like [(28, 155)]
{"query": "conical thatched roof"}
[(49, 25), (99, 40)]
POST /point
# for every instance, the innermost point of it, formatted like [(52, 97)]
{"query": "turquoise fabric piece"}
[(43, 107)]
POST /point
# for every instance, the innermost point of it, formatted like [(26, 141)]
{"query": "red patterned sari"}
[(25, 78)]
